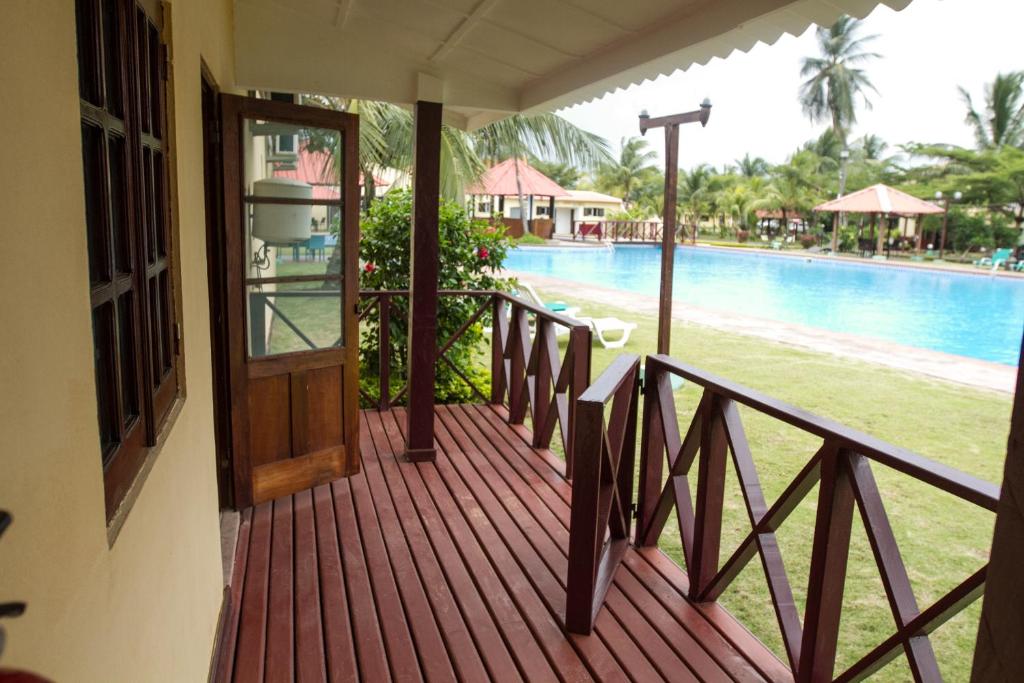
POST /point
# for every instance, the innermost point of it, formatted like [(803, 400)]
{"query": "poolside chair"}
[(601, 326), (998, 257), (553, 306)]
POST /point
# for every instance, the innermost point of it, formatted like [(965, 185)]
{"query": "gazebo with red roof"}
[(501, 181), (881, 200)]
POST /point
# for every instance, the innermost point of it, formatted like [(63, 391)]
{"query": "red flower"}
[(483, 253), (369, 267)]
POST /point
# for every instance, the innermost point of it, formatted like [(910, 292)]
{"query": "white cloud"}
[(927, 51)]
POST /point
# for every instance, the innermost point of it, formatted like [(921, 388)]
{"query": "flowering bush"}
[(470, 255)]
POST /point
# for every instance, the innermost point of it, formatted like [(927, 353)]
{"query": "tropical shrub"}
[(470, 255), (742, 236), (808, 241)]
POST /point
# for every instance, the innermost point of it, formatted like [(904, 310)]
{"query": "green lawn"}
[(942, 539)]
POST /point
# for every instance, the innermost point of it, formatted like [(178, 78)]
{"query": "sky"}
[(927, 50)]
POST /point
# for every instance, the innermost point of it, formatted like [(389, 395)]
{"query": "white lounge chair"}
[(600, 326), (559, 307)]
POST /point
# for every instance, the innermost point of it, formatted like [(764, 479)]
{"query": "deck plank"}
[(340, 651), (398, 625), (562, 652), (252, 629), (621, 626), (310, 658), (455, 570), (487, 637), (280, 608), (718, 647), (595, 651), (413, 558)]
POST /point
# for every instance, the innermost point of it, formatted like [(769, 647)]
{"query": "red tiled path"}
[(455, 570)]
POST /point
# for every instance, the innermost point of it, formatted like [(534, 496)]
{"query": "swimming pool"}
[(968, 315)]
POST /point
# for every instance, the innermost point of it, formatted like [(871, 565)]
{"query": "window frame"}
[(140, 363), (593, 212)]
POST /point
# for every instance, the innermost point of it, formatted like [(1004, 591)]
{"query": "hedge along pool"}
[(968, 315)]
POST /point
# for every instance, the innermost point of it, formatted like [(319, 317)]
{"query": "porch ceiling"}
[(487, 58)]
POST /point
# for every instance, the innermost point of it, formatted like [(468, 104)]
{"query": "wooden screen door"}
[(291, 196)]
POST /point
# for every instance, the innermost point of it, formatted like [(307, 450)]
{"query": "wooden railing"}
[(529, 372), (602, 489), (626, 231), (842, 468)]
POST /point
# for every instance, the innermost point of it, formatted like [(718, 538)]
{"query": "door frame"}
[(216, 282), (233, 110)]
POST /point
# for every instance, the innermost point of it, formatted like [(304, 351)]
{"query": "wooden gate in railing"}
[(530, 374), (694, 485), (602, 489)]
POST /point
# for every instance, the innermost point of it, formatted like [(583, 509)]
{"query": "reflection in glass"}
[(294, 316)]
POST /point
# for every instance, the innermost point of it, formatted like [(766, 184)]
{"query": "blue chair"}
[(316, 245)]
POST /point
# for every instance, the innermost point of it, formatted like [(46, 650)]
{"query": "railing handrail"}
[(611, 380), (553, 316), (949, 479)]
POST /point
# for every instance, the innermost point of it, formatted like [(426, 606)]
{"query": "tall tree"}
[(751, 167), (1002, 121), (834, 78), (625, 176), (835, 81)]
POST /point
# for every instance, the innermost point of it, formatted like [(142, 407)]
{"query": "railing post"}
[(384, 351), (584, 544), (542, 383), (652, 456), (579, 351), (517, 330), (710, 497), (498, 341), (829, 555)]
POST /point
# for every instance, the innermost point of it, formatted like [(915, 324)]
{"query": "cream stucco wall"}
[(146, 608)]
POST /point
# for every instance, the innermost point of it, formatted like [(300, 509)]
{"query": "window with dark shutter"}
[(122, 73)]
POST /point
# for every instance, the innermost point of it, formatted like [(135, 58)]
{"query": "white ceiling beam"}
[(464, 27)]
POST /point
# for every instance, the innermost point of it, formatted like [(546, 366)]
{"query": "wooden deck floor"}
[(455, 570)]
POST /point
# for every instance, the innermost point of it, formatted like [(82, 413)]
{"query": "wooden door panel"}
[(269, 420), (294, 389), (324, 400), (284, 477)]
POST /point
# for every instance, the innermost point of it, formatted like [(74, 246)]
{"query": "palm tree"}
[(751, 167), (547, 136), (834, 82), (1002, 122), (385, 141), (626, 175), (792, 188), (694, 194)]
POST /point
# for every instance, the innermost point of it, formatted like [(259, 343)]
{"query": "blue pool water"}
[(968, 315)]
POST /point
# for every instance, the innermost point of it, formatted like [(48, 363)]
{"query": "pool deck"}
[(971, 372)]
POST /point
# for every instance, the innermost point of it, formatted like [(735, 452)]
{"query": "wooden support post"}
[(829, 554), (707, 535), (999, 653), (384, 352), (423, 281), (668, 242)]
